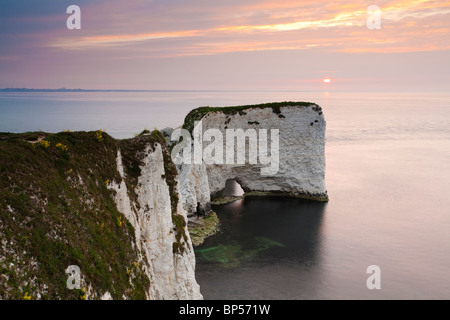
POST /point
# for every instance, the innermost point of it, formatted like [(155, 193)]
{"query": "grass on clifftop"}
[(199, 113)]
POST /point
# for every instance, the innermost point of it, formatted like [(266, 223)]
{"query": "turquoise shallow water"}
[(387, 176)]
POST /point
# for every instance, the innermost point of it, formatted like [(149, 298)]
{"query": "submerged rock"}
[(201, 227)]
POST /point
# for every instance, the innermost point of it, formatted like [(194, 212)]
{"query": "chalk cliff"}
[(301, 168), (171, 271)]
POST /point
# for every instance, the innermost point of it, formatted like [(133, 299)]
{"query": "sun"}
[(326, 80)]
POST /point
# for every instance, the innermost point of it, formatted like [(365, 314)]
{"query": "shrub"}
[(99, 135), (44, 143)]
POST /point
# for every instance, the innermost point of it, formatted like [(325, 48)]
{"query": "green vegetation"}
[(199, 113), (56, 210), (305, 195), (203, 227)]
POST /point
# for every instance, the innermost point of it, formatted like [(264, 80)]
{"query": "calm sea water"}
[(388, 172)]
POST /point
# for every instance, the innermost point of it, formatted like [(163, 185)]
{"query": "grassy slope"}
[(56, 211)]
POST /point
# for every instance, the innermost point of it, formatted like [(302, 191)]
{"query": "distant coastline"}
[(135, 90), (92, 90)]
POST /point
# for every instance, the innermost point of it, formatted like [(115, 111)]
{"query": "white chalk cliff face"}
[(301, 167), (172, 275), (194, 189), (300, 172)]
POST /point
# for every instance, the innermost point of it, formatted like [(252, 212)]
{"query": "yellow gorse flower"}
[(83, 296), (61, 146), (99, 135), (44, 143)]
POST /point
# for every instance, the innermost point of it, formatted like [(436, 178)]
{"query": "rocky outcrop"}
[(194, 189), (300, 171)]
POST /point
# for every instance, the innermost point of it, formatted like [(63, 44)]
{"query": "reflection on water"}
[(263, 243)]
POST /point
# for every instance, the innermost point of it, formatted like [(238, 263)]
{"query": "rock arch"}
[(301, 170)]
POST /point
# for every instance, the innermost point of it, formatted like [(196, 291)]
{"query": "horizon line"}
[(79, 90), (137, 90)]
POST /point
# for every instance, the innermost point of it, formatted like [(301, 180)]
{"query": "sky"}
[(260, 45)]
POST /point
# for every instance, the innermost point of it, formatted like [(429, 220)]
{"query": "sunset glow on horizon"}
[(184, 44)]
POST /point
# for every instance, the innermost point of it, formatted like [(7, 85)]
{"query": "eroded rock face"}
[(171, 274), (301, 168), (194, 189)]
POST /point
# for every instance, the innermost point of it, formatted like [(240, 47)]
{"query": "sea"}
[(383, 234)]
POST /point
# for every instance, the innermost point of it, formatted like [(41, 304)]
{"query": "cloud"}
[(289, 21), (181, 42)]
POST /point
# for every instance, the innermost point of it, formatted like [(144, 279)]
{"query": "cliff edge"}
[(108, 207)]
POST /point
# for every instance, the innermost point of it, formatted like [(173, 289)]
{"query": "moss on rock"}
[(202, 227), (198, 113)]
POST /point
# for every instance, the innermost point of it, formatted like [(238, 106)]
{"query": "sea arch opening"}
[(232, 189)]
